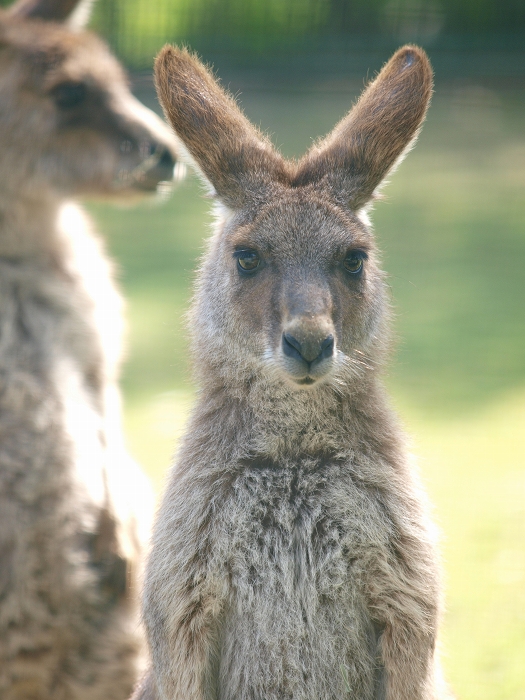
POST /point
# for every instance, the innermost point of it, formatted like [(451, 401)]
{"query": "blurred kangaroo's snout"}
[(148, 148), (308, 334), (156, 164)]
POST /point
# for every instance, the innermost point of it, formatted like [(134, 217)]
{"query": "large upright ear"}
[(233, 155), (377, 132), (75, 13)]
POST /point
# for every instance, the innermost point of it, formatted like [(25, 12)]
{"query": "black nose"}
[(310, 350)]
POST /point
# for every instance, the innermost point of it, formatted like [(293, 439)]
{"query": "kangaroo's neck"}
[(277, 420), (31, 224), (53, 241)]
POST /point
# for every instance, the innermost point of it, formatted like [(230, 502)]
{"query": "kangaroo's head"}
[(67, 118), (290, 289)]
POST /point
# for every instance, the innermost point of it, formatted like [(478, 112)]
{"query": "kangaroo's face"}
[(290, 290), (67, 117), (302, 289)]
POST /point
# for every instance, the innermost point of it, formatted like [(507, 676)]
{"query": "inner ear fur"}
[(71, 11), (355, 157), (232, 154)]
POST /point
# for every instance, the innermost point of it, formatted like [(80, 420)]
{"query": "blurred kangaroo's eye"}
[(353, 263), (247, 260), (69, 95)]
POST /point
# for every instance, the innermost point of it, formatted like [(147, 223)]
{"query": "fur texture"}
[(74, 508), (293, 556)]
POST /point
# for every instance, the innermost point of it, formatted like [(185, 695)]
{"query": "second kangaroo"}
[(293, 557), (74, 508)]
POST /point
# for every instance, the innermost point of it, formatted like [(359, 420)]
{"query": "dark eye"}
[(247, 260), (353, 262), (69, 95)]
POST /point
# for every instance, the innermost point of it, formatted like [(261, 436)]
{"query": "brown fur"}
[(215, 129), (74, 508), (293, 557)]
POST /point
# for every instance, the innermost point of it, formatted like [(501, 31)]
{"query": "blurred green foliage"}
[(137, 28), (228, 17)]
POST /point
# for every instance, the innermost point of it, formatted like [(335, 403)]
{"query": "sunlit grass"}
[(153, 427), (473, 469)]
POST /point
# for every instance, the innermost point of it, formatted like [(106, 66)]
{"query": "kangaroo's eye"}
[(353, 263), (69, 95), (247, 260)]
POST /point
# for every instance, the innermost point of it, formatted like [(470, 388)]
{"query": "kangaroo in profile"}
[(74, 508), (293, 556)]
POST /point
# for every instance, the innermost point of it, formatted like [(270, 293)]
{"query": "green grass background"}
[(452, 231)]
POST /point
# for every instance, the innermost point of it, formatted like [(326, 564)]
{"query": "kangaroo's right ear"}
[(233, 155), (74, 12), (362, 149)]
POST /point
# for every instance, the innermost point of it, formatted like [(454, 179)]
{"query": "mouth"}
[(306, 374), (306, 381), (165, 188)]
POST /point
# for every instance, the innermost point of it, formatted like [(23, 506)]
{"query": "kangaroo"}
[(74, 508), (293, 556)]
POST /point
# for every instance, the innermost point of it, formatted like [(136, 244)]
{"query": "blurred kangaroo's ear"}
[(234, 156), (377, 132), (75, 13)]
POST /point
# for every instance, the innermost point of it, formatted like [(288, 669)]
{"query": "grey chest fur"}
[(295, 539)]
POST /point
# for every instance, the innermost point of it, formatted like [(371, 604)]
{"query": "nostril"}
[(292, 347), (327, 348), (166, 160)]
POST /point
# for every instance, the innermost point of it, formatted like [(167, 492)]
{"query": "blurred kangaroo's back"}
[(74, 509)]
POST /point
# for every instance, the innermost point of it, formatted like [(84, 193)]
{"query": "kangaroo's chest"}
[(297, 540), (293, 527)]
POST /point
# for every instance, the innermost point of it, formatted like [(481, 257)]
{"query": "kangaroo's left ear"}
[(235, 158), (75, 13), (375, 135)]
